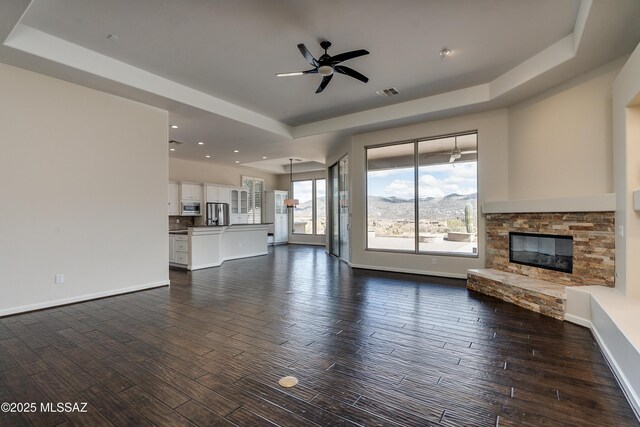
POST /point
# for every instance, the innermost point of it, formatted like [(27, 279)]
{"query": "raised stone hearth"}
[(534, 294)]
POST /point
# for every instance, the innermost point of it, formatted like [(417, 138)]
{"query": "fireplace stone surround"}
[(592, 237), (593, 245)]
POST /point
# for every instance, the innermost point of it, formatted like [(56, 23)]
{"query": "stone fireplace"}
[(535, 249), (589, 235)]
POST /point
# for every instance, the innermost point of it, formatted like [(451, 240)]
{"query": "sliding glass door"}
[(339, 209)]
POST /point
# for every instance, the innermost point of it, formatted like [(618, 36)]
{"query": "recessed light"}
[(172, 149), (237, 161), (236, 151), (264, 157), (445, 52), (174, 126), (207, 156), (200, 143)]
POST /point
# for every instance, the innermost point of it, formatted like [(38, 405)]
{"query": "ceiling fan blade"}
[(325, 82), (307, 55), (351, 73), (348, 55), (298, 73)]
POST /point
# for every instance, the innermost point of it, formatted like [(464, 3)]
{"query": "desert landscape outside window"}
[(422, 196)]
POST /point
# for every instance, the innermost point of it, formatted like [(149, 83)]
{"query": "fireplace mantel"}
[(596, 203)]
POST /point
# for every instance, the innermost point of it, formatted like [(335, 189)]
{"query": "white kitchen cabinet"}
[(174, 198), (277, 214), (179, 250), (239, 206), (210, 193), (281, 229), (172, 248), (217, 193), (224, 194), (190, 192)]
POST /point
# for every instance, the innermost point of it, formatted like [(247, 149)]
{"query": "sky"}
[(302, 190), (434, 181)]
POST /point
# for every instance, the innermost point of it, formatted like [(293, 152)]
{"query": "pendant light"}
[(291, 203)]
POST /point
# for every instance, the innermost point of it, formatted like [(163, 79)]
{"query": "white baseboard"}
[(626, 387), (404, 270), (578, 320), (307, 243), (618, 373), (81, 298), (201, 266)]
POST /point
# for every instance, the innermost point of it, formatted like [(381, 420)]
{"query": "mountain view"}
[(437, 214), (435, 208), (303, 213), (392, 216)]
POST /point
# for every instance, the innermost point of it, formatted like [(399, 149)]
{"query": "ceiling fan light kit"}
[(455, 153), (328, 65), (325, 70)]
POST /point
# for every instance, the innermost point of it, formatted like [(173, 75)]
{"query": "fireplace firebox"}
[(552, 252)]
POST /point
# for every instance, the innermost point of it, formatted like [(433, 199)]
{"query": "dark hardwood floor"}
[(368, 348)]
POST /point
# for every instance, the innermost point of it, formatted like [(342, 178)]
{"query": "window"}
[(422, 196), (303, 213), (309, 217), (255, 187), (321, 203), (391, 213)]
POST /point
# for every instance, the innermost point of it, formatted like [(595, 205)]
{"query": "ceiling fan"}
[(455, 153), (326, 65)]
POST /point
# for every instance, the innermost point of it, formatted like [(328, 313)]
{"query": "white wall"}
[(492, 185), (626, 149), (213, 173), (83, 184), (612, 314), (560, 142)]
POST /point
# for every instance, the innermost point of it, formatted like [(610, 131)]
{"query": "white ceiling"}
[(212, 64)]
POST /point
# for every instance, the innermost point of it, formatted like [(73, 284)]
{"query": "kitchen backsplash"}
[(185, 221)]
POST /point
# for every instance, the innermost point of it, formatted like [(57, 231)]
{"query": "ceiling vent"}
[(387, 92)]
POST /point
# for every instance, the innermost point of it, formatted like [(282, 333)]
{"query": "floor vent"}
[(288, 381)]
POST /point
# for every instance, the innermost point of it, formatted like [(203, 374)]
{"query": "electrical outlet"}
[(434, 261), (621, 230), (177, 220), (59, 279)]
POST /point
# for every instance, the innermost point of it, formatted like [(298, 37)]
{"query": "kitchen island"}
[(211, 246)]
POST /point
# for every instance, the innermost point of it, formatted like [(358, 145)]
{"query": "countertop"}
[(186, 230), (232, 225)]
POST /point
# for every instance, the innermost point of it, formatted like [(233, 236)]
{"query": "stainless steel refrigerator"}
[(217, 214)]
